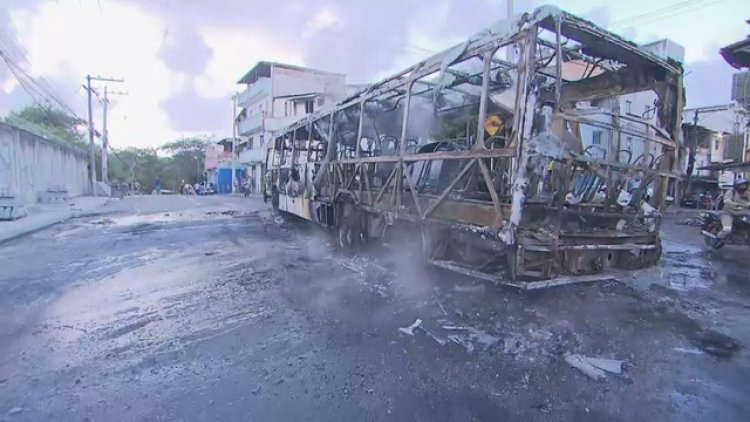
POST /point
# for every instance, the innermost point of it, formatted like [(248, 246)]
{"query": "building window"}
[(320, 101), (716, 144), (309, 106), (629, 107), (629, 144), (250, 143), (286, 108), (597, 139)]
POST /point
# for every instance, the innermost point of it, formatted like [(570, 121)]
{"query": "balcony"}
[(251, 156), (260, 89), (251, 124)]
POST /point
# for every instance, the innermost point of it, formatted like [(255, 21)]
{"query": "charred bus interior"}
[(510, 154)]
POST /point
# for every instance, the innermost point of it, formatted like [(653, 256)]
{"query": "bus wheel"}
[(275, 200)]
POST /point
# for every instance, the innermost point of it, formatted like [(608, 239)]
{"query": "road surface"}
[(212, 308)]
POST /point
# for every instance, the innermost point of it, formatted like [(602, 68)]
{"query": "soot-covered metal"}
[(523, 171)]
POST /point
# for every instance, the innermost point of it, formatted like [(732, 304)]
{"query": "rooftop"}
[(263, 70)]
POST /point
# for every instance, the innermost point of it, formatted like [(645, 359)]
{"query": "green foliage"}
[(194, 145), (50, 123), (140, 165), (453, 129), (143, 165), (185, 161)]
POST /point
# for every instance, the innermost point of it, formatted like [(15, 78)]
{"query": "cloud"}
[(181, 59), (708, 82), (189, 112), (323, 18), (185, 51)]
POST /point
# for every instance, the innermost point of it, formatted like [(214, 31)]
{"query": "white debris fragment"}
[(470, 336), (612, 366), (579, 362), (410, 329), (623, 199), (571, 199), (688, 350), (648, 210), (594, 368), (439, 340)]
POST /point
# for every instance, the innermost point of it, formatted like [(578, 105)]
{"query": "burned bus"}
[(510, 154)]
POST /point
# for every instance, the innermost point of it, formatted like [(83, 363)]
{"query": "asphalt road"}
[(212, 308)]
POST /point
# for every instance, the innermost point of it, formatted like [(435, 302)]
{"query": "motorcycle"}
[(711, 226)]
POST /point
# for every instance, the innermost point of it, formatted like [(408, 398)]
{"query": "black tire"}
[(275, 200), (714, 228)]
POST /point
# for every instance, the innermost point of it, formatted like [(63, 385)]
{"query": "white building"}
[(721, 136), (276, 95), (640, 105)]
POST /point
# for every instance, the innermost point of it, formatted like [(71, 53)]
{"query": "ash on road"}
[(212, 308)]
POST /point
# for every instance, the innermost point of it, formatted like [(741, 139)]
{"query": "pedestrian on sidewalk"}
[(157, 186), (245, 186)]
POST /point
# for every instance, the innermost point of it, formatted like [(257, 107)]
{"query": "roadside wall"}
[(31, 164)]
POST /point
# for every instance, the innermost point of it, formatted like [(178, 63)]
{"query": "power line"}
[(29, 84), (13, 54), (665, 12), (35, 95), (650, 13)]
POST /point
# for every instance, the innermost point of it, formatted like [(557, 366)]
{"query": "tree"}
[(185, 160), (49, 122), (139, 165)]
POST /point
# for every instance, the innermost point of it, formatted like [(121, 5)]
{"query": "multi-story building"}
[(276, 95), (218, 156), (716, 134), (741, 88), (638, 106)]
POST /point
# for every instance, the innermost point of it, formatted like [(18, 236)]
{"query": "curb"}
[(63, 216)]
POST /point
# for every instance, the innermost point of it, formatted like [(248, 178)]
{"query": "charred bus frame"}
[(487, 157)]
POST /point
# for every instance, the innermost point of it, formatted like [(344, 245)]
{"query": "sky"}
[(181, 59)]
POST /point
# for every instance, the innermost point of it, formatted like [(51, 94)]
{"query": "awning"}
[(727, 166), (737, 54)]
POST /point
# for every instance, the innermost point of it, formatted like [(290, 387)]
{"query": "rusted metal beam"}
[(580, 119), (560, 61), (440, 155), (623, 247), (448, 189), (624, 166), (412, 190), (491, 188), (348, 184), (385, 185), (487, 57)]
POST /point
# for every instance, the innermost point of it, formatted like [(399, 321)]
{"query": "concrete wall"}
[(296, 82), (31, 164)]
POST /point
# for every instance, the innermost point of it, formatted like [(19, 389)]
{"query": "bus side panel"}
[(298, 206)]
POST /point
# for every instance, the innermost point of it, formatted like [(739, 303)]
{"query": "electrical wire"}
[(12, 55), (664, 12)]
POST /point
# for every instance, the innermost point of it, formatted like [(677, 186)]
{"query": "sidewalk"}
[(42, 216)]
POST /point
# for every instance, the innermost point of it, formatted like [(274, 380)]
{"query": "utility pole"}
[(91, 138), (105, 138), (105, 133), (234, 141), (92, 161)]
